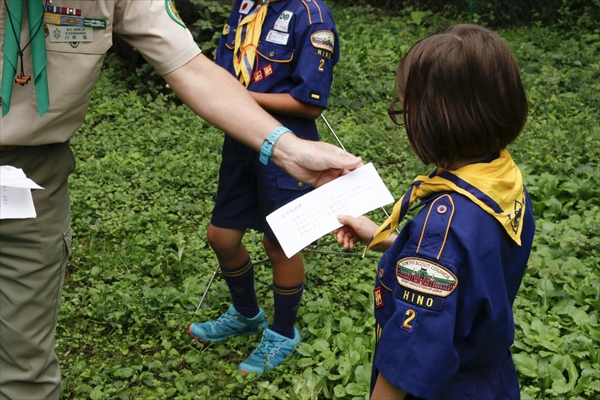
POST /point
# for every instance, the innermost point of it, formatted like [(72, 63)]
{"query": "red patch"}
[(268, 70), (378, 297), (258, 76)]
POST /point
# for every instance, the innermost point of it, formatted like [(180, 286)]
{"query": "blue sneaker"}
[(270, 353), (230, 324)]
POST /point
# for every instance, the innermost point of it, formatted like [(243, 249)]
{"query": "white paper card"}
[(306, 219), (15, 194)]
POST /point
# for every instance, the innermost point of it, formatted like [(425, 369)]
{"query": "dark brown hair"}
[(462, 95)]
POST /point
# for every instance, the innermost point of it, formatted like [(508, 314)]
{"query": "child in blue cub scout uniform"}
[(283, 52), (445, 285)]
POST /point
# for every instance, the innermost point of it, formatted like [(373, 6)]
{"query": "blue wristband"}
[(266, 150)]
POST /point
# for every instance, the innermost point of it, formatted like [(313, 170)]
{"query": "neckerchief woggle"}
[(247, 37), (496, 187)]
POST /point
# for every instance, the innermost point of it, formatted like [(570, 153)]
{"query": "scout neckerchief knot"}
[(246, 42), (13, 50), (496, 187)]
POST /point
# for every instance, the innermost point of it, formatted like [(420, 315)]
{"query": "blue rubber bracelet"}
[(266, 150)]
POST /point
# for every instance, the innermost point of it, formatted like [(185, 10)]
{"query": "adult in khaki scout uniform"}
[(34, 135)]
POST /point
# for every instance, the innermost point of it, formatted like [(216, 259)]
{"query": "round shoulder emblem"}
[(173, 13)]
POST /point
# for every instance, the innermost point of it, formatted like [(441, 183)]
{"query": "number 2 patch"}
[(409, 320)]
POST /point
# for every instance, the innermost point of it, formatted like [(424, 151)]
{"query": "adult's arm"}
[(212, 93)]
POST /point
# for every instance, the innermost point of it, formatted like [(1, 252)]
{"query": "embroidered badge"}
[(283, 21), (516, 221), (258, 76), (425, 277), (66, 20), (99, 23), (246, 6), (63, 10), (268, 70), (322, 53), (378, 296), (419, 299), (315, 96), (323, 40), (172, 11), (277, 37), (410, 317), (226, 29)]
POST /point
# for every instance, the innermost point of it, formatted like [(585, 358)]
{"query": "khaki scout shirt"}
[(74, 68)]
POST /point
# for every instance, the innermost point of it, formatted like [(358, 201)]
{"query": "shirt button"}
[(272, 53), (300, 184), (442, 209)]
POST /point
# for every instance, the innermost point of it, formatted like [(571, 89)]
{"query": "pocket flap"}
[(284, 181)]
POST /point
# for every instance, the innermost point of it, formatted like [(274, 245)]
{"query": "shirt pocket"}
[(286, 182), (73, 69), (274, 66), (271, 52)]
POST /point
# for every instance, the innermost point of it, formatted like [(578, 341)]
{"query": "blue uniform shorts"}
[(249, 191)]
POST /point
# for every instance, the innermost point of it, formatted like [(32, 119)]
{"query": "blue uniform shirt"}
[(297, 50), (443, 302)]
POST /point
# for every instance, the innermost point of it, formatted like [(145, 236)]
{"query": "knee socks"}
[(287, 302), (241, 286)]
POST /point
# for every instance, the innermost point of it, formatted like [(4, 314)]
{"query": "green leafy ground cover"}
[(142, 196)]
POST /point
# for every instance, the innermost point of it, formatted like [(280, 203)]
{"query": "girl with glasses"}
[(446, 284)]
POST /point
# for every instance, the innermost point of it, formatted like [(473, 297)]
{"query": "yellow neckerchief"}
[(496, 187), (244, 51)]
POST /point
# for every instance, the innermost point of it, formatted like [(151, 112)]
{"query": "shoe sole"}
[(260, 376)]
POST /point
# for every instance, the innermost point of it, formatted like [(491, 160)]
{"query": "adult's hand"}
[(314, 163)]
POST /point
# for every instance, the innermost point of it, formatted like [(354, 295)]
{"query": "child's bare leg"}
[(227, 245)]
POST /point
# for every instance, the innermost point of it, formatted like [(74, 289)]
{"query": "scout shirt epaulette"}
[(436, 227), (315, 12)]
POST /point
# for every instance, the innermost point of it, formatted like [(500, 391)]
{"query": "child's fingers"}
[(362, 227), (349, 241), (346, 237)]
